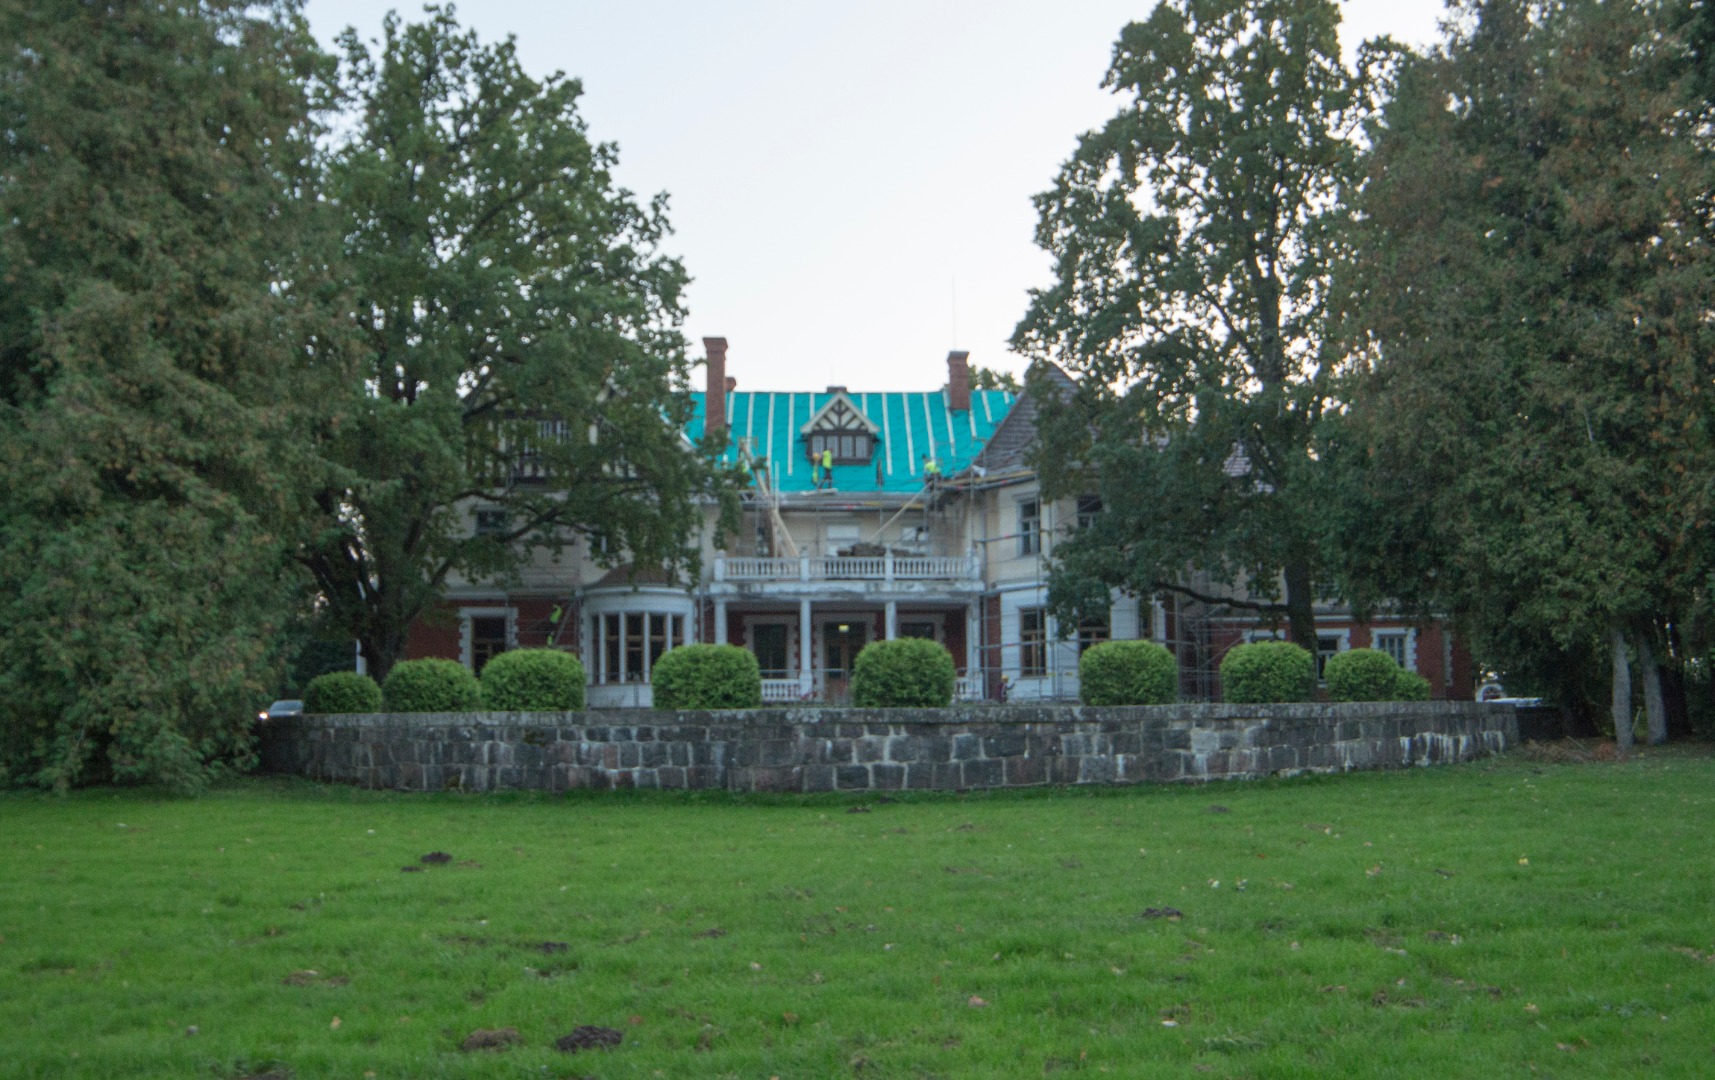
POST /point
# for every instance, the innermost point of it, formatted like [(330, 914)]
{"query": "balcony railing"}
[(887, 567)]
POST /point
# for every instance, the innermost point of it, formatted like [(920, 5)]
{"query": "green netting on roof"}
[(912, 425)]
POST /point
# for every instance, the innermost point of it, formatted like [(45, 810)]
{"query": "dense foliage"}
[(342, 692), (1532, 445), (1128, 673), (903, 673), (1194, 239), (431, 686), (1362, 675), (160, 331), (1267, 672), (706, 677), (1410, 686), (533, 680)]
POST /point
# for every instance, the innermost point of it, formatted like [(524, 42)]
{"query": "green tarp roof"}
[(912, 425)]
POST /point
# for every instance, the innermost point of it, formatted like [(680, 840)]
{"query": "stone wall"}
[(878, 749)]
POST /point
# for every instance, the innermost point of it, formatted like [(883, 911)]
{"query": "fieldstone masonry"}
[(878, 749)]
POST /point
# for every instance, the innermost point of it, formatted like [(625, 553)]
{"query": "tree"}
[(520, 331), (158, 323), (1531, 447), (1194, 236)]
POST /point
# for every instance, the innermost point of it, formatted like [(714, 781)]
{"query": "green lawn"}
[(1509, 918)]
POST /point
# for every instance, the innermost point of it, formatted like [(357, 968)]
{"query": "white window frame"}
[(466, 631), (1408, 650), (1029, 539)]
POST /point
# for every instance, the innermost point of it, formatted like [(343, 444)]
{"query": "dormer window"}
[(848, 449), (842, 429)]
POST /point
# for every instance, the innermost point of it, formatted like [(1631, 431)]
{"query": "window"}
[(1032, 641), (917, 629), (492, 522), (1029, 527), (1092, 632), (847, 449), (1088, 507), (627, 645), (769, 642), (1395, 643), (1326, 645), (487, 640)]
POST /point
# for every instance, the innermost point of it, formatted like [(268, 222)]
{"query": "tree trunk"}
[(1300, 605), (1622, 701), (1654, 709)]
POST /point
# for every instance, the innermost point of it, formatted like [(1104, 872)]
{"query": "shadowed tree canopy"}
[(157, 330), (1532, 446), (521, 335), (1194, 236)]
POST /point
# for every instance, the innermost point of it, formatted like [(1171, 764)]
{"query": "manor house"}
[(870, 514)]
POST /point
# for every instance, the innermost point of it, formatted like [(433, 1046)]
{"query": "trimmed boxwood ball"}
[(1361, 675), (533, 680), (1411, 687), (1128, 673), (903, 673), (707, 677), (342, 692), (431, 686), (1267, 672)]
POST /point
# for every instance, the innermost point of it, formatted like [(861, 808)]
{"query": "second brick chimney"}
[(959, 381), (714, 399)]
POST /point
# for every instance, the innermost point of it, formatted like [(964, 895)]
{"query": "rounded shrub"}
[(707, 677), (431, 686), (1411, 687), (903, 673), (1264, 672), (533, 680), (1361, 675), (342, 692), (1128, 673)]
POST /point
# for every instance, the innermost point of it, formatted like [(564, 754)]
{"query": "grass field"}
[(1509, 918)]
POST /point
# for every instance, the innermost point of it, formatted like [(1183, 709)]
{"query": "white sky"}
[(850, 183)]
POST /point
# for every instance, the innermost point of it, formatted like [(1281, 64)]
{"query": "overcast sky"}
[(850, 183)]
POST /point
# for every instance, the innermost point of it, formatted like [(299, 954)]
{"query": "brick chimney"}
[(959, 381), (714, 400)]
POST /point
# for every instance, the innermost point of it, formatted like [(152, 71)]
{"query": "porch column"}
[(806, 666), (892, 623), (720, 622), (973, 645)]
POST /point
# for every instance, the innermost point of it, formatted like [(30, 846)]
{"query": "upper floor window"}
[(1029, 527), (1088, 507), (847, 449), (492, 522), (840, 429)]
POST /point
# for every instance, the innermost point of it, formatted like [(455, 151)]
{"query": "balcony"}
[(848, 568)]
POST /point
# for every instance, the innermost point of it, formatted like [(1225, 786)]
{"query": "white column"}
[(720, 622), (973, 644), (806, 666), (892, 622)]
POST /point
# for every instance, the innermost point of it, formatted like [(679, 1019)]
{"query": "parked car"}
[(281, 709)]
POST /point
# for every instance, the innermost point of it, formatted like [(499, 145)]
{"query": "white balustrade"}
[(847, 568)]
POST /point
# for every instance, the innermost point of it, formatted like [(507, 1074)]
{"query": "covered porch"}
[(806, 649)]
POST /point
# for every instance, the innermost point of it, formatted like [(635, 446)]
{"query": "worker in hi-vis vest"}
[(931, 470), (828, 467)]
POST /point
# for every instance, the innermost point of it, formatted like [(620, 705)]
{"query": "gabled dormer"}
[(842, 427)]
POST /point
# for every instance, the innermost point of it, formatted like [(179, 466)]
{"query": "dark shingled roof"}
[(1011, 441)]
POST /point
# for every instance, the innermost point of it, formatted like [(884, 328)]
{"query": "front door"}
[(841, 642)]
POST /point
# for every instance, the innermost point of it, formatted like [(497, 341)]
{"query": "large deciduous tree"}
[(1194, 237), (1532, 446), (521, 333), (156, 331)]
